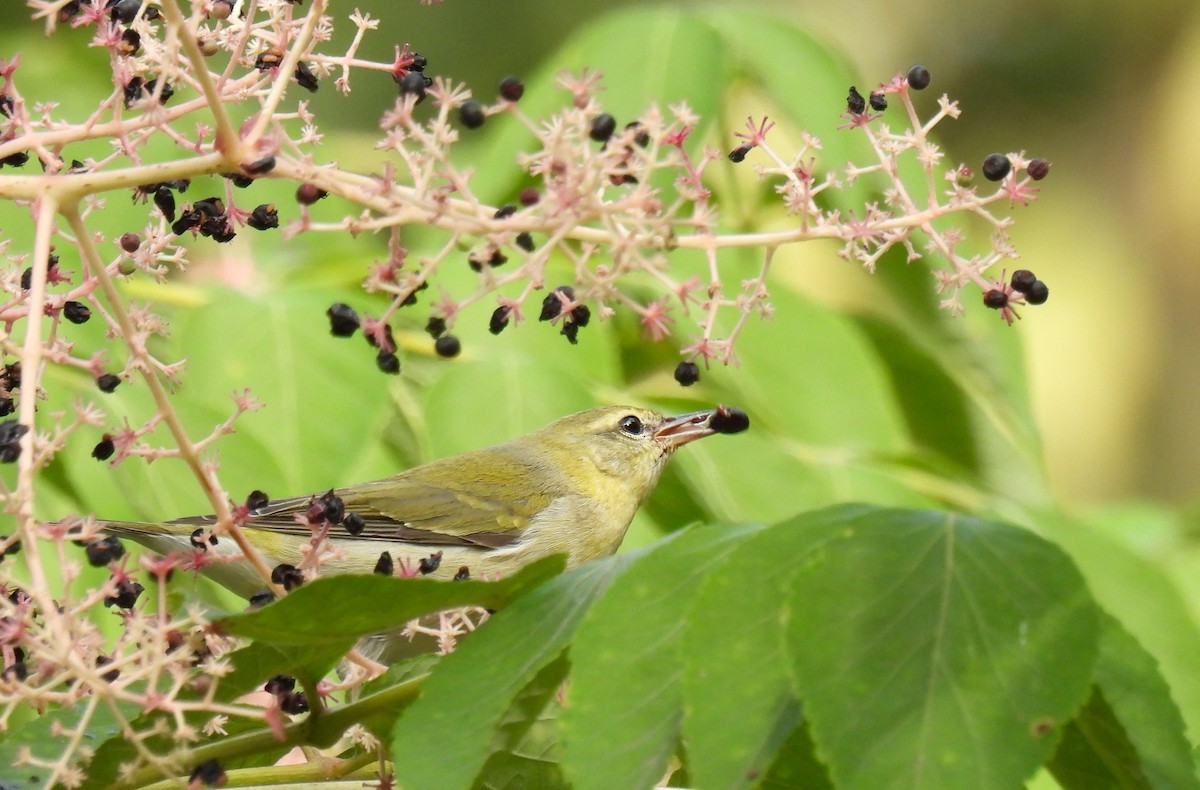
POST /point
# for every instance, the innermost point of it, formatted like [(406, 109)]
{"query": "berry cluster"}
[(215, 85)]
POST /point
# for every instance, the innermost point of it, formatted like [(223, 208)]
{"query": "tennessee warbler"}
[(571, 487)]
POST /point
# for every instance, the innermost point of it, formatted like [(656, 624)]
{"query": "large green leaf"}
[(334, 610), (638, 623), (1130, 734), (955, 648), (463, 704), (739, 704)]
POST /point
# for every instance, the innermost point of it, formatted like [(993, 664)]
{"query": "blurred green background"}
[(1101, 89)]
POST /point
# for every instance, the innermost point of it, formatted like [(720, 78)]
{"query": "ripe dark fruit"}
[(687, 373), (524, 241), (996, 167), (260, 599), (385, 566), (293, 702), (210, 773), (388, 362), (471, 114), (108, 382), (1038, 293), (995, 299), (729, 420), (739, 154), (307, 194), (264, 217), (76, 312), (127, 594), (1022, 280), (280, 684), (505, 211), (512, 88), (102, 551), (131, 241), (436, 326), (413, 84), (463, 574), (603, 126), (878, 101), (354, 523), (447, 346), (529, 196), (1038, 169), (499, 320), (165, 200), (306, 78), (855, 103), (256, 500), (343, 321), (429, 564), (287, 576), (918, 78), (552, 305)]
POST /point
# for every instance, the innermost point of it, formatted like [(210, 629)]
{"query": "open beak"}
[(678, 431)]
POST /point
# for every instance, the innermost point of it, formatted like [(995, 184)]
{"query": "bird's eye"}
[(631, 425)]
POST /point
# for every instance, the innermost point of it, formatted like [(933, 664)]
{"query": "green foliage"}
[(789, 641)]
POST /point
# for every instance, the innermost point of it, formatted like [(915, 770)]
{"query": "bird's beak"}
[(678, 431)]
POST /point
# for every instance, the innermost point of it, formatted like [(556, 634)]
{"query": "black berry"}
[(463, 574), (995, 299), (307, 194), (918, 78), (447, 346), (104, 449), (101, 551), (256, 168), (306, 78), (524, 241), (335, 507), (512, 88), (529, 196), (603, 126), (499, 320), (1038, 293), (165, 200), (878, 101), (279, 685), (436, 326), (343, 321), (76, 312), (505, 211), (729, 420), (264, 217), (996, 167), (855, 103), (1022, 280), (385, 566), (552, 305), (687, 373), (126, 596), (257, 500), (131, 241), (261, 598), (413, 84), (287, 576), (739, 154), (293, 702), (429, 564), (354, 523), (471, 114), (210, 773), (1038, 169), (108, 382), (388, 362)]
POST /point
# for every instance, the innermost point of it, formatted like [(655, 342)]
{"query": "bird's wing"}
[(413, 511)]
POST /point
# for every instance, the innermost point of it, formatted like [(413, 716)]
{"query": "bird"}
[(571, 487)]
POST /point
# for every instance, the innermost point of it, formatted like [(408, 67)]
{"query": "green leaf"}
[(739, 704), (607, 700), (338, 609), (48, 735), (1142, 596), (955, 647), (445, 738), (525, 749), (1130, 733), (796, 765)]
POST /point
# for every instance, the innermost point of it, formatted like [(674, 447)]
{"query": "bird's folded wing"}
[(411, 511)]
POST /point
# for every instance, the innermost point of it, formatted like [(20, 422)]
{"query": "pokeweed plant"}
[(213, 93)]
